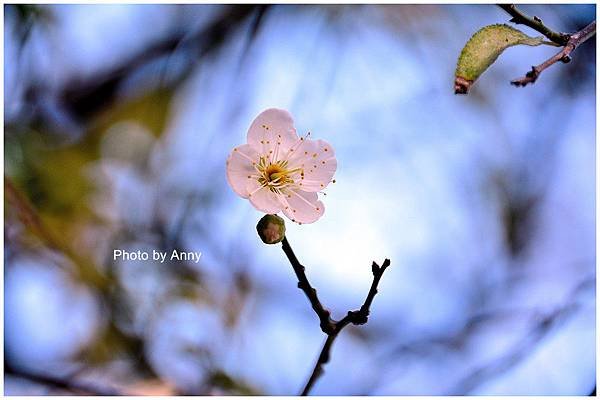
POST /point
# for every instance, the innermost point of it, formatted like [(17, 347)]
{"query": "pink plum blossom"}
[(279, 171)]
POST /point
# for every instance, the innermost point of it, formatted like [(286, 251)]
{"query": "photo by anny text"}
[(156, 255)]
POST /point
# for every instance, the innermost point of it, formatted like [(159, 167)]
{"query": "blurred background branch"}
[(67, 383), (543, 326)]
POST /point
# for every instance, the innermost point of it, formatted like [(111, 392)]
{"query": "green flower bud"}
[(271, 229)]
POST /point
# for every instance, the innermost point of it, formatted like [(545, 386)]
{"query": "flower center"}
[(275, 176), (273, 172)]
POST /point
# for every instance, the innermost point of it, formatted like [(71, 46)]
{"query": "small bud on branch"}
[(271, 229)]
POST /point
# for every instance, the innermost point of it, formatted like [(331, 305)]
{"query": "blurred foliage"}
[(230, 386), (150, 109), (53, 174)]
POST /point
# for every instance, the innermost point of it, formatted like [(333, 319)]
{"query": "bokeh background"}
[(118, 121)]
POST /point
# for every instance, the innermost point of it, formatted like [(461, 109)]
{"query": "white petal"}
[(272, 133), (240, 168), (263, 199), (303, 207), (318, 162)]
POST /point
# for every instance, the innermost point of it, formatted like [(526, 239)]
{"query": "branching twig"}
[(569, 41), (330, 326), (564, 55)]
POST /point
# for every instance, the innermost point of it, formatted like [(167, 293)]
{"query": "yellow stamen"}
[(276, 176)]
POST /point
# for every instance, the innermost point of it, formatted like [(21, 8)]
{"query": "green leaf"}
[(483, 49)]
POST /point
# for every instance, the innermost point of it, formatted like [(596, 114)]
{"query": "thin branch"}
[(564, 55), (329, 326), (322, 360), (361, 316), (534, 23)]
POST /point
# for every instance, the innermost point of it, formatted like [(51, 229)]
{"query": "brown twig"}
[(329, 326), (564, 55), (534, 23)]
